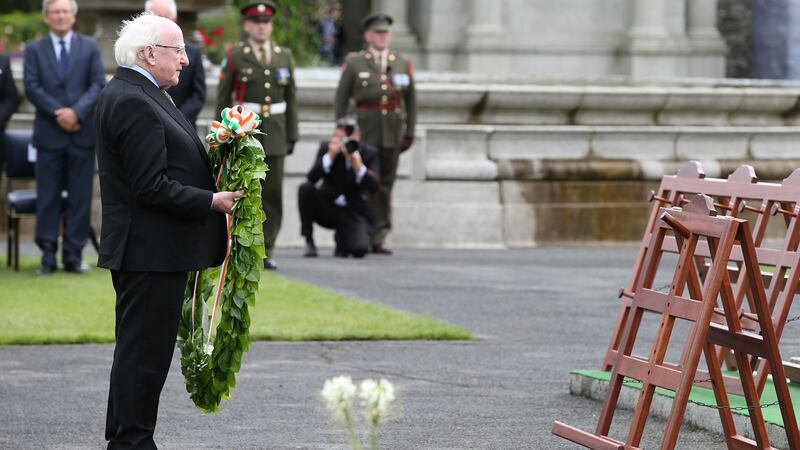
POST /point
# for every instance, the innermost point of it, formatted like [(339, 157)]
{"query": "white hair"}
[(135, 34), (47, 3), (173, 8)]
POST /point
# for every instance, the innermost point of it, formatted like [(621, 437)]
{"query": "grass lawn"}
[(67, 308)]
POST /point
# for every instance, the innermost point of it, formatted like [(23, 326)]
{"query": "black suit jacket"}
[(342, 180), (156, 183), (190, 93), (48, 91), (9, 100)]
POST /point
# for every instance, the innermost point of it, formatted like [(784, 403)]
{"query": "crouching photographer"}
[(349, 172)]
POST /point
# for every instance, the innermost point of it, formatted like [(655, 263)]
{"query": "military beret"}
[(378, 22), (259, 10)]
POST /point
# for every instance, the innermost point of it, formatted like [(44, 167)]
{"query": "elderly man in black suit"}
[(190, 93), (349, 172), (161, 218), (63, 76), (9, 100)]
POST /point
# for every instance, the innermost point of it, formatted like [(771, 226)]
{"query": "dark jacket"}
[(9, 100), (342, 180), (190, 93), (45, 88), (156, 184)]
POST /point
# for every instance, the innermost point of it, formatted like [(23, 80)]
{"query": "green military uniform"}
[(270, 91), (385, 104)]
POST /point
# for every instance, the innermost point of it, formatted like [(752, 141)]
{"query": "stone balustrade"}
[(521, 161)]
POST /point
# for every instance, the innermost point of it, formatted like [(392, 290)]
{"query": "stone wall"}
[(519, 162), (564, 38)]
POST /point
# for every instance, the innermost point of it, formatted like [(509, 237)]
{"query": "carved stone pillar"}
[(707, 46), (485, 35), (649, 46), (702, 19), (648, 20)]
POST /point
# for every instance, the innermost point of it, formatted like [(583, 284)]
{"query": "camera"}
[(351, 145)]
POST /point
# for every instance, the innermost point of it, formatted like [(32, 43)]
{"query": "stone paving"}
[(536, 314)]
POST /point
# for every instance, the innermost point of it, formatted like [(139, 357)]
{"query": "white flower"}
[(338, 394), (376, 398), (208, 349)]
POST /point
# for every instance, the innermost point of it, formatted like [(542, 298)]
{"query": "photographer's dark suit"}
[(190, 93), (352, 221), (9, 100), (156, 187)]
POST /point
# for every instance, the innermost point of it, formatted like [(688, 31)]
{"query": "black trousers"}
[(68, 169), (147, 315), (352, 228)]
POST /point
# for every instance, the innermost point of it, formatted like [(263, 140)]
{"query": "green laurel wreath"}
[(212, 340)]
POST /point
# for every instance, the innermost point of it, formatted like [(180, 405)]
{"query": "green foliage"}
[(295, 26), (8, 6), (16, 28), (210, 370)]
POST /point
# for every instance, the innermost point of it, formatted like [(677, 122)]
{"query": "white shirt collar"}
[(55, 40), (144, 72)]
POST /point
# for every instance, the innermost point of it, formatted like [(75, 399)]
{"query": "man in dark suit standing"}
[(63, 77), (161, 218), (190, 93), (349, 172), (9, 100)]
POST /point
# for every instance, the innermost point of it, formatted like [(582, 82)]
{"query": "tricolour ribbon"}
[(237, 122)]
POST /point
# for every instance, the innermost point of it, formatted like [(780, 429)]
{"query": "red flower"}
[(218, 30), (205, 37)]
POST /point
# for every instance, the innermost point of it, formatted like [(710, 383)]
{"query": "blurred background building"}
[(539, 121)]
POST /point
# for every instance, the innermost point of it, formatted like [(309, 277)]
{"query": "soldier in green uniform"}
[(259, 75), (381, 84)]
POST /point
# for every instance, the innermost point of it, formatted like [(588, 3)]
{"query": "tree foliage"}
[(295, 26)]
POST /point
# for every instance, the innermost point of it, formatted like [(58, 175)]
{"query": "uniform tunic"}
[(385, 104), (269, 91)]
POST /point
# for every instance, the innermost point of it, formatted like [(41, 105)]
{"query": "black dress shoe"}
[(269, 264), (46, 269), (77, 268), (311, 249), (339, 253), (381, 250)]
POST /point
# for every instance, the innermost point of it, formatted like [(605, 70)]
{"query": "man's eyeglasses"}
[(181, 51)]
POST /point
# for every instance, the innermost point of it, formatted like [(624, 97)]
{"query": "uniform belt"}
[(272, 108), (377, 105)]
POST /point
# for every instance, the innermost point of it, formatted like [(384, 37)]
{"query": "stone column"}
[(648, 20), (402, 37), (707, 46), (486, 21), (485, 36), (702, 19), (649, 47)]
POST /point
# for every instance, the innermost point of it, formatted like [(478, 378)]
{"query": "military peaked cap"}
[(378, 22), (259, 10)]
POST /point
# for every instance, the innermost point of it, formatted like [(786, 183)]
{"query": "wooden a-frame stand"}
[(773, 200), (695, 222)]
